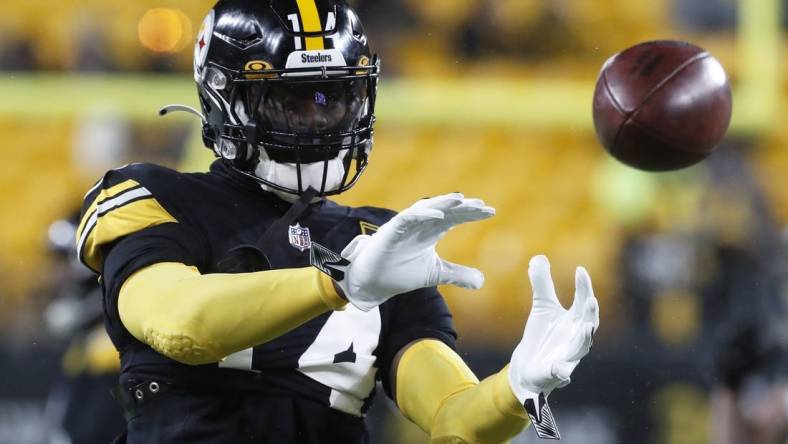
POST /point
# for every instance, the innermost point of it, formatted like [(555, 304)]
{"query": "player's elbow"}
[(182, 341), (177, 334), (161, 313)]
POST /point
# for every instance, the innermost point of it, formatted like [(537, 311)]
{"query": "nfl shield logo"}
[(299, 237)]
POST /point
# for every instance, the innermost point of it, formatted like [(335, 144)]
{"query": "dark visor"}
[(311, 108)]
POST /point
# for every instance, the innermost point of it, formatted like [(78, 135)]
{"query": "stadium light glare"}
[(164, 30)]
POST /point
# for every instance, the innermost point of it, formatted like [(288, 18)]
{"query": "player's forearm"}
[(199, 319), (438, 392), (485, 413)]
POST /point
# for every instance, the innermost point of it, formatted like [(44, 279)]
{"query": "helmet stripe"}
[(307, 9)]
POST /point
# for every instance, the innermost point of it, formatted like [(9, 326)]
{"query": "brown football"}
[(662, 105)]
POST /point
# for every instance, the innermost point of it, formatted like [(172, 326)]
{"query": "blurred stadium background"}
[(490, 97)]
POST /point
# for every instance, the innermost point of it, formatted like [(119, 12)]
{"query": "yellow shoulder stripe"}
[(102, 196), (307, 9), (125, 214)]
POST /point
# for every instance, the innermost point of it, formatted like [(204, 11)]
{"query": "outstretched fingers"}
[(583, 292), (412, 218), (542, 282), (449, 273), (429, 219), (441, 203), (584, 318), (469, 210), (591, 313)]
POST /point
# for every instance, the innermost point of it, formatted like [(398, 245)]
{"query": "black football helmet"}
[(288, 83)]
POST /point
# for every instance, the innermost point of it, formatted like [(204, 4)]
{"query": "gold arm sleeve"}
[(436, 390), (199, 319)]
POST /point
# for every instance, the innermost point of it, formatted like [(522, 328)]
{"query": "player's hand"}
[(400, 257), (554, 342)]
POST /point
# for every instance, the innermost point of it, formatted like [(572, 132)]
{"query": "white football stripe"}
[(93, 188), (106, 206)]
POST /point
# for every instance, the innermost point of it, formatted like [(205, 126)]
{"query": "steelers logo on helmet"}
[(203, 43), (297, 108)]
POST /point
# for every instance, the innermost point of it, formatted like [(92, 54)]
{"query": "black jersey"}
[(143, 214)]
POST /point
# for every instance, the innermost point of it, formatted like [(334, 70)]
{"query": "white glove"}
[(400, 257), (554, 342)]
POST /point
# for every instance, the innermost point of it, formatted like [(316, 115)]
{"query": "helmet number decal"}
[(331, 24), (296, 28)]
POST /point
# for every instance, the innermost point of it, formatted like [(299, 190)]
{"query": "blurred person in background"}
[(750, 397), (80, 409), (713, 15), (710, 239), (750, 394), (707, 15), (705, 284)]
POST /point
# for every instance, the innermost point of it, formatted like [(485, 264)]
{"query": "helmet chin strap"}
[(287, 197)]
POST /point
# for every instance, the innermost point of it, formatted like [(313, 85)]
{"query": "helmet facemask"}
[(297, 128)]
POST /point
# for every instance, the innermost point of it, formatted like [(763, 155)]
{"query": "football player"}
[(79, 408), (248, 307)]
